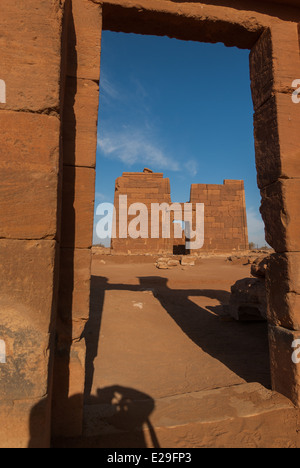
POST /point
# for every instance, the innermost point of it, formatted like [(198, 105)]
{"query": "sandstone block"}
[(259, 267), (280, 212), (28, 278), (248, 300), (267, 149), (67, 410), (283, 286), (28, 285), (80, 122), (261, 70), (84, 42), (29, 175), (24, 374), (29, 142), (274, 62), (288, 118), (162, 266), (277, 139), (30, 61), (78, 207), (285, 373), (74, 291), (28, 204), (286, 60), (188, 260)]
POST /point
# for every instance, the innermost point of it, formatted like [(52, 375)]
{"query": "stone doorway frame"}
[(272, 35)]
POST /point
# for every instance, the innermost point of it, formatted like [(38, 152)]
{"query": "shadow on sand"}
[(242, 347)]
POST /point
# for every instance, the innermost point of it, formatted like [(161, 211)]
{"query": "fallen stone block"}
[(248, 300), (259, 267), (187, 260), (162, 266)]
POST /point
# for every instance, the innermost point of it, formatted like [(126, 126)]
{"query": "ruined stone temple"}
[(49, 100), (225, 219)]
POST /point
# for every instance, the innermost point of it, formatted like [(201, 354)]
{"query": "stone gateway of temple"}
[(225, 219)]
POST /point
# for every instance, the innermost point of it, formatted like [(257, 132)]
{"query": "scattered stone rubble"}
[(165, 263), (248, 257)]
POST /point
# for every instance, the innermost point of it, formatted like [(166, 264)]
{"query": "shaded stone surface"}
[(283, 285), (248, 300), (259, 267), (285, 372), (280, 212), (245, 416), (78, 207)]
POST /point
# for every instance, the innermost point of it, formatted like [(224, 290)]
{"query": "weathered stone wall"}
[(147, 188), (225, 218), (30, 67), (83, 25), (274, 64)]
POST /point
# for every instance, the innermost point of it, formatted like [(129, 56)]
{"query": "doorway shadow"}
[(241, 347), (118, 416)]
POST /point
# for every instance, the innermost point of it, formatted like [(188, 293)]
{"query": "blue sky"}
[(178, 107)]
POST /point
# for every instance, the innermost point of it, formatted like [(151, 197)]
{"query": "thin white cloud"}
[(111, 91), (139, 89), (256, 228), (191, 167), (107, 89), (134, 146), (100, 196), (136, 142)]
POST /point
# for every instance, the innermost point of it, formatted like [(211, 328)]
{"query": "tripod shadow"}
[(121, 410), (117, 417)]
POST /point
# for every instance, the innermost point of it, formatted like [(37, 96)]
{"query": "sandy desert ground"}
[(167, 366)]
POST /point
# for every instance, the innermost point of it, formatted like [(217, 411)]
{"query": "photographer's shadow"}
[(117, 417), (122, 415)]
